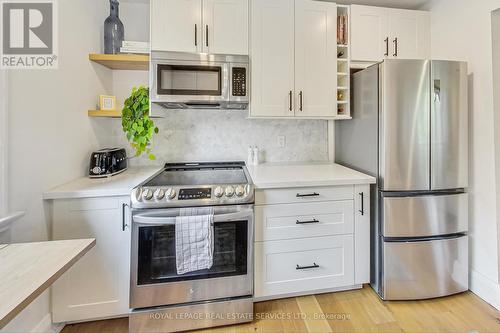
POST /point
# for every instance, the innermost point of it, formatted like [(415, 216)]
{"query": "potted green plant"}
[(136, 123)]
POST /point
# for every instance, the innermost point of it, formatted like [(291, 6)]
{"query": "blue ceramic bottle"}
[(113, 30)]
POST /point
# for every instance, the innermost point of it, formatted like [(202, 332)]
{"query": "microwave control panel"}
[(239, 81)]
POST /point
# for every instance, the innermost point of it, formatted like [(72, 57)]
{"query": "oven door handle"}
[(170, 220)]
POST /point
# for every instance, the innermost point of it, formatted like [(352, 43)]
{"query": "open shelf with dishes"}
[(343, 56)]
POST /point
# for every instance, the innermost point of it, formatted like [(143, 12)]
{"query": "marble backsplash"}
[(195, 135)]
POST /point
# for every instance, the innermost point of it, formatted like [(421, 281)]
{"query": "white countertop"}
[(27, 269), (283, 175), (85, 187), (267, 175)]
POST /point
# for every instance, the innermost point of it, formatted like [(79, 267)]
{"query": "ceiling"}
[(408, 4)]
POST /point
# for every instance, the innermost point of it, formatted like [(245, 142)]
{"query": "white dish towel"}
[(194, 239)]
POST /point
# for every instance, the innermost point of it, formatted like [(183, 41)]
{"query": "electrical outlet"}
[(281, 141)]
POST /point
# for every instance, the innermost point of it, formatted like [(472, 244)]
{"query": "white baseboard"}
[(485, 288), (304, 293), (46, 326)]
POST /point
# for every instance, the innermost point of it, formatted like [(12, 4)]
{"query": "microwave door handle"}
[(169, 220)]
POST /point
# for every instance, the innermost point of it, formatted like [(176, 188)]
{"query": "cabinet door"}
[(369, 33), (272, 58), (97, 285), (176, 25), (362, 234), (409, 34), (315, 58), (303, 265), (225, 26)]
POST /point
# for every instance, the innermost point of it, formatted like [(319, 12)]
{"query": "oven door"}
[(154, 278)]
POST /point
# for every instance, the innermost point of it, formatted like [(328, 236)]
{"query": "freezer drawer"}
[(425, 269), (424, 216)]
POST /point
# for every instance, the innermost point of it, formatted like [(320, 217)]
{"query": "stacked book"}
[(342, 29), (135, 47)]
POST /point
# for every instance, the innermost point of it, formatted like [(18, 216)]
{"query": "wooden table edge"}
[(37, 292)]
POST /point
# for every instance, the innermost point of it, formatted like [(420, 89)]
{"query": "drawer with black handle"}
[(309, 219), (303, 194), (298, 265)]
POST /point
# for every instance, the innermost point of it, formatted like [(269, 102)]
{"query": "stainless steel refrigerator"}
[(410, 131)]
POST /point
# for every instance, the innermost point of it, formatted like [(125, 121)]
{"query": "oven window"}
[(156, 260), (189, 80)]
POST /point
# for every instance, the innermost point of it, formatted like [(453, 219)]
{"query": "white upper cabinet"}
[(369, 33), (293, 58), (176, 25), (409, 33), (378, 33), (209, 26), (315, 58), (225, 26), (272, 58)]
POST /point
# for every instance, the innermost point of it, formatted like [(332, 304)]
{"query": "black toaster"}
[(107, 162)]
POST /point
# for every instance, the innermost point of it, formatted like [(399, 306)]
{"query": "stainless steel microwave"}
[(199, 81)]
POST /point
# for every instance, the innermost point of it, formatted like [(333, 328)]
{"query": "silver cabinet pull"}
[(386, 47), (206, 32), (195, 34), (314, 265), (300, 100), (290, 96), (395, 47)]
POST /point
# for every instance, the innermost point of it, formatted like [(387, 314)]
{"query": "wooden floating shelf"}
[(342, 102), (106, 114), (138, 62), (342, 88), (343, 117)]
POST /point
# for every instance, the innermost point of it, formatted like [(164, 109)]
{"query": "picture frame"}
[(107, 103)]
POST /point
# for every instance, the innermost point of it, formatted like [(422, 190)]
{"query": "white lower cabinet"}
[(97, 286), (307, 264), (304, 247), (313, 219)]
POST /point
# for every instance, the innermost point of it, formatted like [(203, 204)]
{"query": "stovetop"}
[(195, 184)]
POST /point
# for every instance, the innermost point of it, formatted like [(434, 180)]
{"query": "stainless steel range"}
[(163, 300)]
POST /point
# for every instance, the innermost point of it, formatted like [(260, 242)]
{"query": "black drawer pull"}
[(307, 195), (362, 211), (307, 222), (307, 267)]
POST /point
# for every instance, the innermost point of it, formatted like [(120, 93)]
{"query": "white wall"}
[(50, 135), (461, 30), (3, 142)]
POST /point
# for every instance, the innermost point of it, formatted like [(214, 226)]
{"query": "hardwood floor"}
[(357, 311)]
